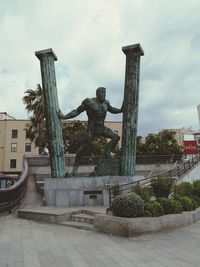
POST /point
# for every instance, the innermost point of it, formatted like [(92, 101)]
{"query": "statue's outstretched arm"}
[(115, 110), (72, 114)]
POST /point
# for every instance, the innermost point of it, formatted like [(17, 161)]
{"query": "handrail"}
[(175, 172), (11, 197)]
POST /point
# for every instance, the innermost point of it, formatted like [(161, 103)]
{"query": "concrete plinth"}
[(81, 191), (108, 167)]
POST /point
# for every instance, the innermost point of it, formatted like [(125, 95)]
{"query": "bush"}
[(166, 204), (176, 206), (145, 192), (128, 205), (196, 188), (194, 203), (162, 186), (183, 189), (170, 206), (153, 208), (197, 199), (186, 203)]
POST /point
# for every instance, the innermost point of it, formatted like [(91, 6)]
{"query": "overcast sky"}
[(87, 37)]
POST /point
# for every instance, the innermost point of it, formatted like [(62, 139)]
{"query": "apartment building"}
[(13, 144)]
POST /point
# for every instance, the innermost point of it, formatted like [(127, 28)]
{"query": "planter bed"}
[(142, 225)]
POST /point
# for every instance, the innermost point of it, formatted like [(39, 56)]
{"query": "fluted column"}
[(51, 106), (130, 113)]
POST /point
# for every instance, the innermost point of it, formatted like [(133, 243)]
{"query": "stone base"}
[(81, 191), (108, 167), (143, 225)]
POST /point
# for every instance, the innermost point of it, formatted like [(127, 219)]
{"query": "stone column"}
[(51, 106), (130, 113)]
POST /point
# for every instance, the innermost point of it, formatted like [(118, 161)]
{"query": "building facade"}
[(13, 144)]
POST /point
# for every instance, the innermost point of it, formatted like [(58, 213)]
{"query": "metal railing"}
[(175, 172), (11, 198)]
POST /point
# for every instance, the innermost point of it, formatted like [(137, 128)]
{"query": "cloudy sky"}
[(87, 37)]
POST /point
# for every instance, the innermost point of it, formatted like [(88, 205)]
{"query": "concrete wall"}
[(142, 225), (90, 168), (81, 191)]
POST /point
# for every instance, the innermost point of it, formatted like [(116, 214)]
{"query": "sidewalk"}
[(25, 243)]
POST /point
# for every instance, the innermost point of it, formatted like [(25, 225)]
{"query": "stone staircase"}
[(77, 217), (83, 220)]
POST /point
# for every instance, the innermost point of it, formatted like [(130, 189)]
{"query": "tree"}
[(35, 130), (140, 146), (73, 138), (163, 143), (167, 144)]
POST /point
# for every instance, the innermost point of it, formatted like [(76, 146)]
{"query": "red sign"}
[(190, 147)]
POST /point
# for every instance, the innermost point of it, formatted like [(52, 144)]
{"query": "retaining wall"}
[(136, 226)]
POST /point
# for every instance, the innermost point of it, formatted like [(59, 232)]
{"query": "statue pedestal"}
[(108, 167), (81, 191)]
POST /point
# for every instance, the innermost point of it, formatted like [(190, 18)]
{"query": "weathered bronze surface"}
[(130, 112), (54, 130), (96, 109)]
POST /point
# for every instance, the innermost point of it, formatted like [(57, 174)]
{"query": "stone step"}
[(85, 218), (78, 225)]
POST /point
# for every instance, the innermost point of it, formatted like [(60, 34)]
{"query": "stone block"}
[(93, 198), (112, 225), (70, 191), (108, 167), (62, 198), (75, 197), (142, 225)]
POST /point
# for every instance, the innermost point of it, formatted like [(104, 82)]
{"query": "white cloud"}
[(87, 37)]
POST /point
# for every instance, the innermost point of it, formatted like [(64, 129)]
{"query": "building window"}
[(14, 133), (13, 147), (13, 163), (28, 147)]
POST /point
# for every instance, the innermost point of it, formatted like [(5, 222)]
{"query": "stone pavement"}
[(25, 243)]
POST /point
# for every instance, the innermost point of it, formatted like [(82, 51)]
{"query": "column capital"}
[(39, 54), (133, 48)]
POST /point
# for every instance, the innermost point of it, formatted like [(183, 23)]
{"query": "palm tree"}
[(34, 104)]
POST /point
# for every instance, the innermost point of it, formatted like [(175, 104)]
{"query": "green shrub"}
[(186, 203), (194, 203), (162, 186), (196, 188), (116, 190), (197, 199), (145, 192), (166, 204), (128, 205), (183, 189), (153, 208), (176, 206)]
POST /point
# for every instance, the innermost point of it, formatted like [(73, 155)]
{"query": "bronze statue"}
[(96, 109)]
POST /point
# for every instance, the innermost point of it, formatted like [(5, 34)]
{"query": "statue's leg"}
[(79, 153), (108, 133)]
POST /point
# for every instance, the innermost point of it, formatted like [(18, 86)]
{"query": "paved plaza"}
[(25, 243)]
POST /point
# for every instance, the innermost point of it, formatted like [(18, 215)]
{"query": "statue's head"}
[(101, 94)]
